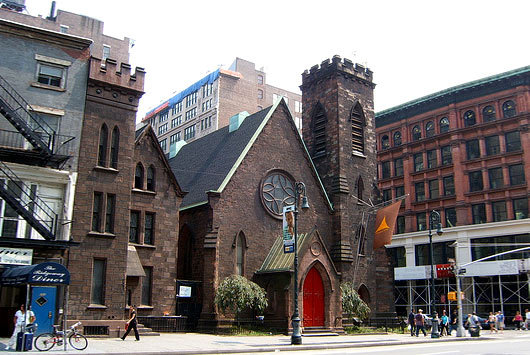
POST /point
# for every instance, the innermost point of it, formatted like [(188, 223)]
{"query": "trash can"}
[(474, 332), (24, 341)]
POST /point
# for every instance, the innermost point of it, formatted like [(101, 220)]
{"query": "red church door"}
[(313, 299)]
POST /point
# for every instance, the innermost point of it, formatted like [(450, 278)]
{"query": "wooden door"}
[(313, 299)]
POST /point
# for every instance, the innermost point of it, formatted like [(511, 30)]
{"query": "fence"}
[(165, 324)]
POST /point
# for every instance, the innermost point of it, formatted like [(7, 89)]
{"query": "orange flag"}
[(385, 221)]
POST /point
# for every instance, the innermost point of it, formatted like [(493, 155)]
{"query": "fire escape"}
[(33, 143)]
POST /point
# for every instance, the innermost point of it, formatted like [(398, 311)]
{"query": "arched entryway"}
[(313, 299), (364, 294)]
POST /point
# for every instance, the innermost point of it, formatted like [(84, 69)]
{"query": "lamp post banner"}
[(288, 229)]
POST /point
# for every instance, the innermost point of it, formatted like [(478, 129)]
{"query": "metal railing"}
[(61, 145), (165, 324)]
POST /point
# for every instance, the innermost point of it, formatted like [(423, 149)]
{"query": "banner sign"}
[(16, 256), (184, 291), (288, 229)]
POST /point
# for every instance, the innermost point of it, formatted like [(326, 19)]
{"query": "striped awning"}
[(277, 260)]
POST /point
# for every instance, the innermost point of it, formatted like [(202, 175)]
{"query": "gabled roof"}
[(147, 132), (208, 163)]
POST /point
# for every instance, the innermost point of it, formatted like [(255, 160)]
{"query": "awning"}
[(134, 266), (277, 260), (48, 273)]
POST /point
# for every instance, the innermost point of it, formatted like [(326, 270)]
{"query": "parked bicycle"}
[(46, 341)]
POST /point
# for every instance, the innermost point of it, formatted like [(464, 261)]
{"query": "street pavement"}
[(195, 343)]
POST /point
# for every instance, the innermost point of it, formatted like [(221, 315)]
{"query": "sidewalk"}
[(194, 343)]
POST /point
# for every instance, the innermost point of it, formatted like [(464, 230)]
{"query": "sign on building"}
[(16, 256), (288, 229)]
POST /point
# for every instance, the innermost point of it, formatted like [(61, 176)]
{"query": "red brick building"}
[(463, 152)]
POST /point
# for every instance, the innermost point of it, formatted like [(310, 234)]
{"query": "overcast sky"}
[(414, 48)]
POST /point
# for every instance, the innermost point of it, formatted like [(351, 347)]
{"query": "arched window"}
[(444, 125), (385, 142), (469, 118), (361, 236), (488, 113), (508, 109), (114, 147), (397, 138), (185, 253), (240, 253), (364, 294), (102, 149), (139, 177), (151, 178), (357, 129), (429, 129), (360, 188), (416, 133), (319, 130)]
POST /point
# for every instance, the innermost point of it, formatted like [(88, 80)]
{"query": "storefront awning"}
[(48, 273), (134, 265)]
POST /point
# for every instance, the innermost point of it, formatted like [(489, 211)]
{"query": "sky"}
[(414, 48)]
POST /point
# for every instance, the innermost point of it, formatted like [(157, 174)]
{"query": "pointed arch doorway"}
[(313, 299)]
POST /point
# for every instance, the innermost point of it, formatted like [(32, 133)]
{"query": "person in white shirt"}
[(526, 319), (21, 318)]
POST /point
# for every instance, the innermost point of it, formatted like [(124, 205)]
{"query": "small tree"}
[(236, 293), (352, 304)]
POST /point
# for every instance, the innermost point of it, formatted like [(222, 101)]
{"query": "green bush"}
[(352, 304), (236, 293)]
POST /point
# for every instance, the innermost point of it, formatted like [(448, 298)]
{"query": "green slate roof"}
[(277, 260)]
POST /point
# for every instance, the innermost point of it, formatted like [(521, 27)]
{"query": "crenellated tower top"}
[(337, 64), (121, 77)]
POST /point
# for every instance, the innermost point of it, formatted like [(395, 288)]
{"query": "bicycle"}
[(46, 341)]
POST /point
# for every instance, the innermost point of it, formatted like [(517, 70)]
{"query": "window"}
[(357, 129), (360, 188), (418, 162), (387, 195), (297, 106), (260, 94), (151, 178), (149, 228), (397, 139), (421, 221), (114, 147), (449, 185), (190, 114), (174, 138), (508, 109), (206, 123), (429, 129), (444, 125), (488, 113), (499, 211), (176, 108), (177, 121), (64, 28), (385, 170), (147, 286), (109, 213), (399, 191), (385, 142), (416, 133), (139, 176), (398, 256), (475, 181), (240, 254), (207, 90), (513, 141), (472, 149), (516, 174), (163, 116), (398, 167), (469, 118), (162, 129), (134, 230), (98, 282), (520, 208), (479, 213), (419, 187), (495, 178), (432, 160), (52, 75), (260, 79), (434, 189), (450, 217), (492, 145), (400, 224), (191, 99), (442, 252), (97, 206), (189, 132), (163, 144), (447, 157), (102, 148), (319, 131), (106, 52)]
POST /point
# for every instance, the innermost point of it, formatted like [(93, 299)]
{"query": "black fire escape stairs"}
[(36, 132), (27, 204)]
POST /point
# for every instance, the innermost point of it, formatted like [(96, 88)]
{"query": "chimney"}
[(52, 11), (236, 120)]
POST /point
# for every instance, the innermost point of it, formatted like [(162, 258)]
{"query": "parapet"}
[(336, 64), (108, 72)]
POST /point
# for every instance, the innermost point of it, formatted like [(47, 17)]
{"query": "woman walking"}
[(518, 319), (491, 322), (132, 324)]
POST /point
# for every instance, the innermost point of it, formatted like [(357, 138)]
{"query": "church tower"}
[(339, 132)]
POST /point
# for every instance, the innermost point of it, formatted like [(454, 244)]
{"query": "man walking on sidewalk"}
[(411, 322), (419, 320)]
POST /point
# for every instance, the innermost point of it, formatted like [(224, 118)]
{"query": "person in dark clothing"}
[(453, 323), (132, 324), (411, 322)]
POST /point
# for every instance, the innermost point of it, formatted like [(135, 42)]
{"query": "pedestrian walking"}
[(444, 324), (419, 321), (527, 319), (499, 321), (132, 323), (491, 322), (22, 318), (411, 322), (518, 319), (454, 322)]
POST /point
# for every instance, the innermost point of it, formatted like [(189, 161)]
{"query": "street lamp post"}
[(434, 217), (299, 191)]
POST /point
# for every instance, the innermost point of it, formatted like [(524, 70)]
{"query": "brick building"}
[(463, 152), (241, 176), (208, 104)]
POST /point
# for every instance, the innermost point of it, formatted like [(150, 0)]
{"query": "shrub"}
[(352, 304), (236, 293)]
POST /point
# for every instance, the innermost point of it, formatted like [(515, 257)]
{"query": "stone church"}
[(238, 179)]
